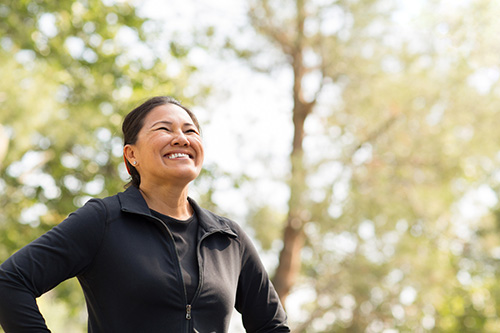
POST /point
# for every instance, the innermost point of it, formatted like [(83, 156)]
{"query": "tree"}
[(401, 101), (288, 33)]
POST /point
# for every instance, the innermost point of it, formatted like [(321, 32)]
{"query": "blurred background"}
[(357, 141)]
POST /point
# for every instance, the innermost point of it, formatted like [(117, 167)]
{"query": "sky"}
[(247, 117)]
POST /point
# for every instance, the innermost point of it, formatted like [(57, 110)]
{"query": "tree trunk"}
[(293, 235)]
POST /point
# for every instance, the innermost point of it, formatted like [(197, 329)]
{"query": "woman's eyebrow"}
[(170, 123), (161, 122)]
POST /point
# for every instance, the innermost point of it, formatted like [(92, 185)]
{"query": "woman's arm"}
[(256, 299), (63, 252)]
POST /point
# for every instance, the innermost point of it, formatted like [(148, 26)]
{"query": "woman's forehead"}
[(170, 113)]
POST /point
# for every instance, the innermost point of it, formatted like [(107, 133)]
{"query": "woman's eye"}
[(164, 129)]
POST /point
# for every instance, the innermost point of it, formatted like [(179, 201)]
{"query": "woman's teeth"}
[(177, 155)]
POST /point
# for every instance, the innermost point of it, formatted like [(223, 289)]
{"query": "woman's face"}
[(168, 147)]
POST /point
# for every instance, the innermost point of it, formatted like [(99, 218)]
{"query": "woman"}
[(148, 259)]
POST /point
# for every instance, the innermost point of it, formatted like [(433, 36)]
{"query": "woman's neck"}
[(167, 200)]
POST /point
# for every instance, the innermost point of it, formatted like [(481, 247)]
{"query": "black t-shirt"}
[(185, 235)]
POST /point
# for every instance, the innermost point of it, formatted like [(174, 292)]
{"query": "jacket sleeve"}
[(256, 298), (61, 253)]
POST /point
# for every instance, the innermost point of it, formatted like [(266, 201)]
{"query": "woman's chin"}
[(186, 175)]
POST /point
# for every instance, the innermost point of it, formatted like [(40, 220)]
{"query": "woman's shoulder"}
[(97, 208)]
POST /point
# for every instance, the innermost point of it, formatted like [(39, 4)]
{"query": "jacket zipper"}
[(188, 306), (200, 273)]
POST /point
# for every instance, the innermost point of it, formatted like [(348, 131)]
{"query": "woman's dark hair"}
[(134, 121)]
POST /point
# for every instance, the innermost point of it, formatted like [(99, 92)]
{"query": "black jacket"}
[(126, 263)]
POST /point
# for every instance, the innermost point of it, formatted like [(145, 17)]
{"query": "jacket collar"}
[(132, 201)]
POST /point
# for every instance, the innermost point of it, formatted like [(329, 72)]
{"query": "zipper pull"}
[(188, 311)]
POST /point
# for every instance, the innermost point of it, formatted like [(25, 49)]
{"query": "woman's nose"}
[(180, 139)]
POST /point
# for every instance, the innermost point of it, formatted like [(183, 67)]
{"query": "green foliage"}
[(70, 71), (404, 144), (403, 140)]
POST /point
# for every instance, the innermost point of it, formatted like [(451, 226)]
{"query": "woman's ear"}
[(129, 153)]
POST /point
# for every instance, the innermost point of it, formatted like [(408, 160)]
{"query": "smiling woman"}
[(163, 150), (135, 121), (149, 259)]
